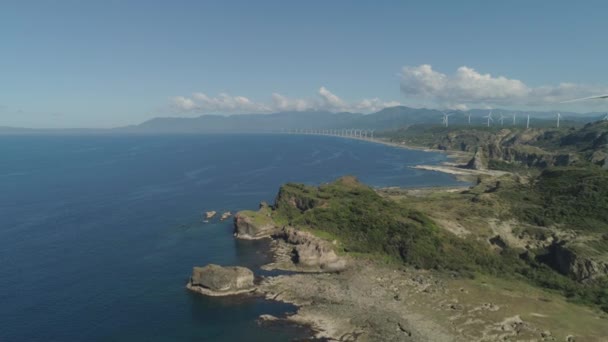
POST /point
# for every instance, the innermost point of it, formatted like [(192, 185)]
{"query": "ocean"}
[(99, 234)]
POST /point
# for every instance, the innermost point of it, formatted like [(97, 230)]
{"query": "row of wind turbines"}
[(490, 119), (340, 132)]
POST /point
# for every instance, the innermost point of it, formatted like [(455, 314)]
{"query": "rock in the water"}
[(210, 214), (225, 215), (215, 280)]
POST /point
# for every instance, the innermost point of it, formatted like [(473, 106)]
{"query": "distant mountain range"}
[(386, 119)]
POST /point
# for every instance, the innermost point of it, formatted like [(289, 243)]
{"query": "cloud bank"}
[(468, 87), (229, 104)]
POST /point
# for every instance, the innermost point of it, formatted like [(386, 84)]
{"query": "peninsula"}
[(522, 254)]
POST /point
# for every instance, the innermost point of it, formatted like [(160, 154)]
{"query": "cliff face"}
[(478, 162), (568, 261), (310, 251), (533, 147), (530, 156), (254, 224)]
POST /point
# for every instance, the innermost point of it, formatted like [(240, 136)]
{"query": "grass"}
[(520, 298), (260, 217), (574, 197), (367, 224)]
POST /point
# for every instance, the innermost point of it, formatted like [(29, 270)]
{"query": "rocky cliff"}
[(310, 252), (254, 224), (478, 162), (529, 147), (578, 266)]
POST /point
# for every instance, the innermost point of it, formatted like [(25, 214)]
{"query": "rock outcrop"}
[(254, 224), (567, 261), (310, 252), (214, 280), (478, 161), (210, 214)]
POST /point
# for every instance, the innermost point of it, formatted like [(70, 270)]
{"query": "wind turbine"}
[(489, 116), (469, 116), (528, 122), (372, 132), (558, 116), (446, 118), (502, 119), (514, 118), (606, 117)]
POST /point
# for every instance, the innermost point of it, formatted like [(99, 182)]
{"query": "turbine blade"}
[(605, 96)]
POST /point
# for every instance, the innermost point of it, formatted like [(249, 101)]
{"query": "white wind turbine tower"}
[(606, 117), (469, 116), (558, 117), (446, 117), (489, 117), (514, 118), (528, 122), (372, 134), (502, 119)]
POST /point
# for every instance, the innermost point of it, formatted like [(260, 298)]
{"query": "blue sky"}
[(113, 63)]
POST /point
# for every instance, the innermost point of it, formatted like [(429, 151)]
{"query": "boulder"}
[(215, 280)]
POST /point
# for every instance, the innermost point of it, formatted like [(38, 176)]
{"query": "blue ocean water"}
[(98, 234)]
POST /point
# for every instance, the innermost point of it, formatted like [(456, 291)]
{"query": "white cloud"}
[(330, 100), (228, 104), (467, 87), (225, 102), (283, 103), (183, 103)]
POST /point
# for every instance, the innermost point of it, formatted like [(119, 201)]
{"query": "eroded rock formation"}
[(215, 280)]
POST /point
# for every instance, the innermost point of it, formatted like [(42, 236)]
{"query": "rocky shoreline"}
[(343, 298)]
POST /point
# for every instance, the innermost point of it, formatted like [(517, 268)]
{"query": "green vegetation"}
[(260, 217), (576, 198), (367, 224), (514, 148), (558, 190)]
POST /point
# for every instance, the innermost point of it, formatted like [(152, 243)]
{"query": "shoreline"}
[(449, 153), (449, 167), (376, 300), (372, 300)]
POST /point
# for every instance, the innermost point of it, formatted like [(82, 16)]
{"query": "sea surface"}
[(99, 234)]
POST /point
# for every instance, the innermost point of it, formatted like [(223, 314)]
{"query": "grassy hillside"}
[(510, 148), (366, 223), (363, 223)]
